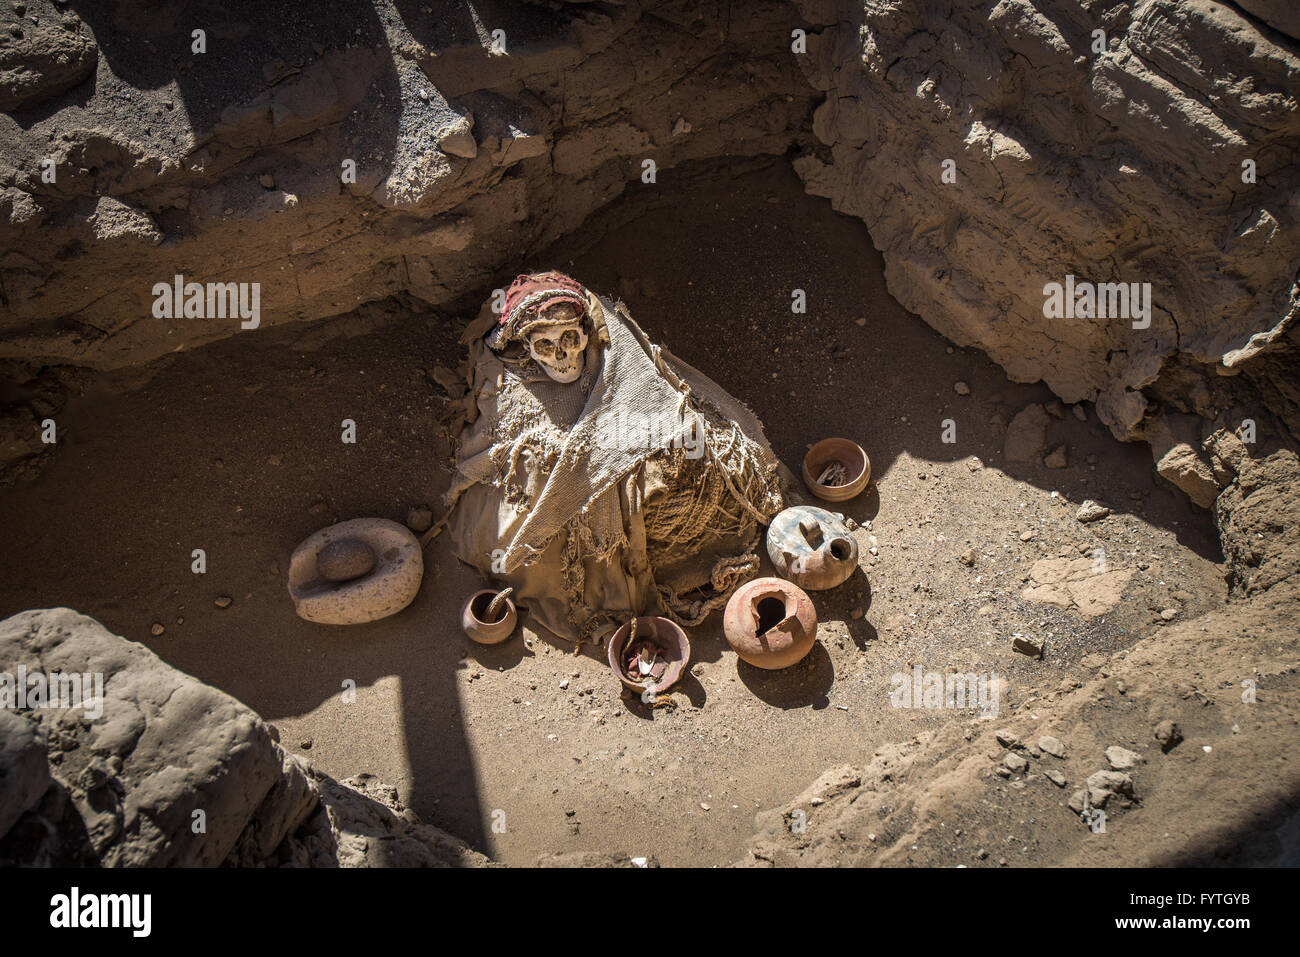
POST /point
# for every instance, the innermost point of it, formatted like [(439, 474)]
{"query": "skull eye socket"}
[(569, 340), (544, 347)]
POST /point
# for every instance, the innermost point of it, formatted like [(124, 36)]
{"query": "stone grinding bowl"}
[(385, 590), (836, 450), (670, 638), (474, 618)]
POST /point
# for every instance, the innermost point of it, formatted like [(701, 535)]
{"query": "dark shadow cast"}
[(802, 685)]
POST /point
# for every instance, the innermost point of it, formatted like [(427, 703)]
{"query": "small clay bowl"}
[(836, 450), (665, 634), (474, 619)]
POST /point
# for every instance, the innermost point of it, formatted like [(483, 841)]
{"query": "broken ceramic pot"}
[(331, 585), (655, 658), (770, 623), (812, 547), (485, 624), (836, 469)]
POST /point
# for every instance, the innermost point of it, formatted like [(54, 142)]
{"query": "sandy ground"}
[(235, 448)]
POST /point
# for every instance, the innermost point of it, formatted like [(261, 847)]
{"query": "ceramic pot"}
[(474, 618), (827, 452), (672, 644), (812, 547), (770, 623)]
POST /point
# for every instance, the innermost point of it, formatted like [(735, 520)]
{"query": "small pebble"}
[(156, 629), (223, 601), (419, 519)]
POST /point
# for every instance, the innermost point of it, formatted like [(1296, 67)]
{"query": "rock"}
[(1122, 759), (157, 628), (1028, 646), (1015, 763), (1078, 801), (1184, 467), (360, 822), (116, 220), (1169, 614), (1169, 734), (24, 768), (1026, 536), (223, 601), (1051, 745), (1091, 511), (1056, 777), (1257, 515), (386, 590), (891, 107), (419, 519), (46, 53), (1027, 434), (968, 557), (1058, 458), (159, 747), (1281, 15), (1080, 412), (961, 388), (1008, 739), (432, 166), (345, 559), (182, 745), (1077, 583), (1103, 784)]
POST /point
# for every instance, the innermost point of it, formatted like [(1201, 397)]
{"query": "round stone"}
[(344, 560)]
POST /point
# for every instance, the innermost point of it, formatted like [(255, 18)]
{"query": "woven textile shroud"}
[(640, 488)]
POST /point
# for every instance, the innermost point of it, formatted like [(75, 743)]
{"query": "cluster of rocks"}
[(163, 770)]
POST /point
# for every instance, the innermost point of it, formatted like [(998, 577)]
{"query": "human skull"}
[(560, 350)]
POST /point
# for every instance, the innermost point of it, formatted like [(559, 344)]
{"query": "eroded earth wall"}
[(340, 157), (994, 148)]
